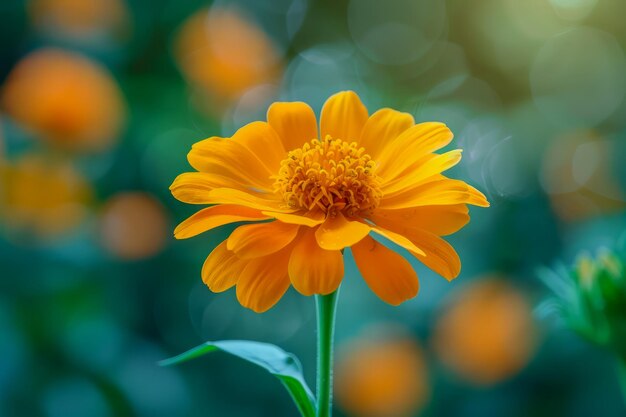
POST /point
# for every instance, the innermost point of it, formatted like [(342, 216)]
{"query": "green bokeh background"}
[(517, 81)]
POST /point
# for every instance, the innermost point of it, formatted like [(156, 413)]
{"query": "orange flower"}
[(383, 378), (488, 333), (225, 54), (66, 99), (314, 193)]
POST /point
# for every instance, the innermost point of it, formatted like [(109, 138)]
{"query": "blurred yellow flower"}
[(225, 54), (133, 225), (80, 18), (42, 196), (487, 334), (66, 99), (315, 193), (382, 378)]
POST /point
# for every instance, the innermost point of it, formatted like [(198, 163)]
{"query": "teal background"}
[(520, 83)]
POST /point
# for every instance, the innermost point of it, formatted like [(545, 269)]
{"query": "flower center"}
[(330, 175)]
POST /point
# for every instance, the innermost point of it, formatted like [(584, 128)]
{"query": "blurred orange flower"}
[(487, 334), (66, 99), (41, 195), (80, 18), (133, 225), (324, 191), (225, 54), (382, 378)]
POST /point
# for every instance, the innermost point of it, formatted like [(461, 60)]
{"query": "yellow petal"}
[(440, 255), (421, 172), (221, 269), (309, 219), (251, 156), (230, 159), (294, 122), (343, 117), (412, 144), (193, 187), (398, 239), (212, 217), (477, 198), (258, 201), (382, 128), (440, 192), (261, 140), (254, 240), (337, 232), (388, 274), (314, 270), (263, 281), (439, 220)]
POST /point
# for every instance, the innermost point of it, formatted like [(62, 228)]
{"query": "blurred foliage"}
[(591, 296), (100, 101)]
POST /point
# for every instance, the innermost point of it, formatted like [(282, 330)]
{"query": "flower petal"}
[(212, 217), (294, 122), (413, 143), (343, 117), (229, 158), (263, 281), (258, 201), (383, 127), (255, 240), (221, 269), (433, 193), (477, 198), (337, 232), (251, 156), (398, 239), (263, 142), (314, 270), (309, 219), (388, 274), (420, 172), (440, 255), (439, 220), (193, 187)]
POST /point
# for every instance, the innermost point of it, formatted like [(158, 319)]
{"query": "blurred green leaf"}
[(273, 359)]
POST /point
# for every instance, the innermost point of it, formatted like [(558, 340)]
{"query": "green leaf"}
[(273, 359)]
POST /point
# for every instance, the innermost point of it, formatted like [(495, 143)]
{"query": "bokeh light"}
[(577, 175), (66, 99), (382, 377), (133, 225), (574, 10), (42, 196), (224, 53), (487, 333), (573, 89), (396, 32), (82, 20)]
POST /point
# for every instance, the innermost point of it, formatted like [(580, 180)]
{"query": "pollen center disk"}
[(330, 175)]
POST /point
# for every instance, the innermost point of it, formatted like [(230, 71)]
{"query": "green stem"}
[(326, 311), (621, 374)]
